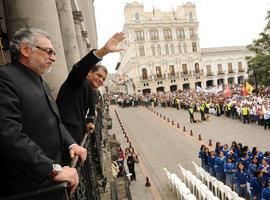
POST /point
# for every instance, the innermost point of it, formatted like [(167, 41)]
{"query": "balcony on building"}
[(241, 70), (209, 73), (231, 71), (171, 75), (185, 73), (221, 72), (198, 72), (160, 76)]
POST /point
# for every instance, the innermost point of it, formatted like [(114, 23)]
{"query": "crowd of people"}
[(239, 167), (247, 109)]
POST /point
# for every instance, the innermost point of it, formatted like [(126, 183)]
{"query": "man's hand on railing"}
[(78, 150), (90, 127), (70, 175)]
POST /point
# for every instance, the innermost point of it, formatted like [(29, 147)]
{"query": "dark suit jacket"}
[(73, 97), (31, 134)]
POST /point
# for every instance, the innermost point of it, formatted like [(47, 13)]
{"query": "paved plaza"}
[(161, 144)]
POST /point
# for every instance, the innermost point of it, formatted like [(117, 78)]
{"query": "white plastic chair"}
[(221, 190), (190, 197), (197, 169), (169, 177), (173, 181), (228, 192), (202, 195)]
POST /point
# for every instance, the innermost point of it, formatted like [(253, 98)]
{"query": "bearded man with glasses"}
[(33, 140)]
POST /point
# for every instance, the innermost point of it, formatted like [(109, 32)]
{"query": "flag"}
[(249, 88), (227, 91), (244, 91)]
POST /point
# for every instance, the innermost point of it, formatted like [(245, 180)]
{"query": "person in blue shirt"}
[(225, 149), (256, 185), (219, 166), (232, 154), (253, 166), (258, 153), (266, 191), (229, 169), (241, 178), (265, 169), (245, 159), (211, 162), (201, 155), (218, 147)]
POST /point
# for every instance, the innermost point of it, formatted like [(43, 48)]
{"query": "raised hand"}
[(111, 45)]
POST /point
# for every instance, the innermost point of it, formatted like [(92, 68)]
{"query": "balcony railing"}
[(171, 75), (185, 73), (221, 72), (241, 70), (231, 71), (198, 72)]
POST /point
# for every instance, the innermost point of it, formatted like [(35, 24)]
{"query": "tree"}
[(260, 63)]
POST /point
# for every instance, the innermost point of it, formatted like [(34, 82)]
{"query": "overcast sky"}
[(221, 22)]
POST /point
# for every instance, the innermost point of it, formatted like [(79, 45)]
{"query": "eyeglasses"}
[(48, 51)]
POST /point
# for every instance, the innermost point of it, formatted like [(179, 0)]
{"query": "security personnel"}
[(202, 111), (245, 113), (191, 114)]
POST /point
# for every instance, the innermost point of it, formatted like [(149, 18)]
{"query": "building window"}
[(154, 35), (194, 47), (191, 33), (139, 35), (166, 49), (240, 67), (172, 48), (190, 15), (208, 69), (184, 68), (197, 68), (180, 33), (185, 47), (171, 70), (230, 70), (158, 72), (179, 48), (220, 71), (141, 50), (153, 50), (137, 17), (158, 49), (167, 34), (144, 74)]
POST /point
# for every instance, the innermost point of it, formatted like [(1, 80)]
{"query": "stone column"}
[(86, 43), (43, 15), (71, 49), (78, 18)]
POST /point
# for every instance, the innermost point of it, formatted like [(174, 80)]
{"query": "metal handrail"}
[(58, 187), (27, 195)]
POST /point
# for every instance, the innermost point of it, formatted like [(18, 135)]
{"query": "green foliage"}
[(260, 64)]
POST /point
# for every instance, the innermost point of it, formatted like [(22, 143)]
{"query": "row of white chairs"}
[(178, 187), (217, 187), (198, 188)]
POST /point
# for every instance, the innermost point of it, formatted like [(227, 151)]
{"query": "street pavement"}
[(161, 144)]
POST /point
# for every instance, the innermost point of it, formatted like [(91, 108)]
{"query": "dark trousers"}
[(266, 123)]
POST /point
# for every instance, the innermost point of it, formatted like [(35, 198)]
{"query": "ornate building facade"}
[(162, 53)]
